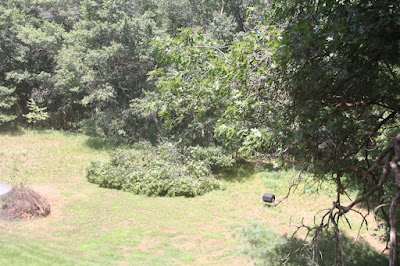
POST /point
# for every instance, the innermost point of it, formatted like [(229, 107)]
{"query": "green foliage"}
[(208, 92), (340, 71), (87, 61), (222, 28), (160, 171), (7, 101), (213, 156), (36, 113), (31, 35), (103, 66)]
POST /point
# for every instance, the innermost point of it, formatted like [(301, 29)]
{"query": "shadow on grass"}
[(11, 131), (357, 252), (96, 143), (267, 247), (239, 172)]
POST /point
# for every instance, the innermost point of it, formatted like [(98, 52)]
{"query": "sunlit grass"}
[(92, 225)]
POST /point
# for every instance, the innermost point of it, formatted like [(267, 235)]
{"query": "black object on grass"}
[(270, 198)]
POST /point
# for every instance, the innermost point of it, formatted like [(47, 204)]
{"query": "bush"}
[(165, 170)]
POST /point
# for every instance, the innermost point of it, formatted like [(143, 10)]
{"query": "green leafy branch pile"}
[(165, 170)]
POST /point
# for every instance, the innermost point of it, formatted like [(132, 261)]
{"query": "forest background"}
[(315, 82)]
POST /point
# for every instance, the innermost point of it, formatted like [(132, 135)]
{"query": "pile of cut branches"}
[(23, 203)]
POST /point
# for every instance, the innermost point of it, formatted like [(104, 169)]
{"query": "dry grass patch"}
[(92, 225)]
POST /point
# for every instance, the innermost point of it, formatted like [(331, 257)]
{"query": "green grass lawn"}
[(92, 225)]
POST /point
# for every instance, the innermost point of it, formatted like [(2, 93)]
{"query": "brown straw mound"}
[(23, 203)]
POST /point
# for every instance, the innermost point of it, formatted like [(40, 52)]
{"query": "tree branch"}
[(393, 237)]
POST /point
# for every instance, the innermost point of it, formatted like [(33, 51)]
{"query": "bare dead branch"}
[(364, 221), (381, 157), (339, 241), (380, 206), (347, 221), (377, 127), (382, 180), (294, 185)]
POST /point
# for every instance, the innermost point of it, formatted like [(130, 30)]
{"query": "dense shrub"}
[(166, 170)]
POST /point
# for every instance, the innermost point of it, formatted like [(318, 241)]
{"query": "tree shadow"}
[(241, 171), (97, 143), (11, 131), (266, 247)]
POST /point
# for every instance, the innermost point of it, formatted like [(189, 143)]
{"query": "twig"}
[(294, 185)]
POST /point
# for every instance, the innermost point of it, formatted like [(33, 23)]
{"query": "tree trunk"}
[(393, 238)]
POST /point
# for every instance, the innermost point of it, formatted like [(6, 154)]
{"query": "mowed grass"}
[(91, 225)]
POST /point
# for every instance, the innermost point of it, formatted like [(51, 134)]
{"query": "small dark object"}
[(270, 198)]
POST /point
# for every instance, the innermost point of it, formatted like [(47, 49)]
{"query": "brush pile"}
[(23, 203)]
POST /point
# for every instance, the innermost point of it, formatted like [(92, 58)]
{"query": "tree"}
[(36, 113), (322, 90), (6, 105), (103, 65), (208, 91), (340, 65), (87, 60), (8, 101), (31, 35)]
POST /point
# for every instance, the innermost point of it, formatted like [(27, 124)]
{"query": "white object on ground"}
[(4, 188)]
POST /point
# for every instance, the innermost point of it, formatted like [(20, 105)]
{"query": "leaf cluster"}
[(36, 113), (227, 93)]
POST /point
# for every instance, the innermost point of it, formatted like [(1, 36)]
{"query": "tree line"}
[(85, 61)]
